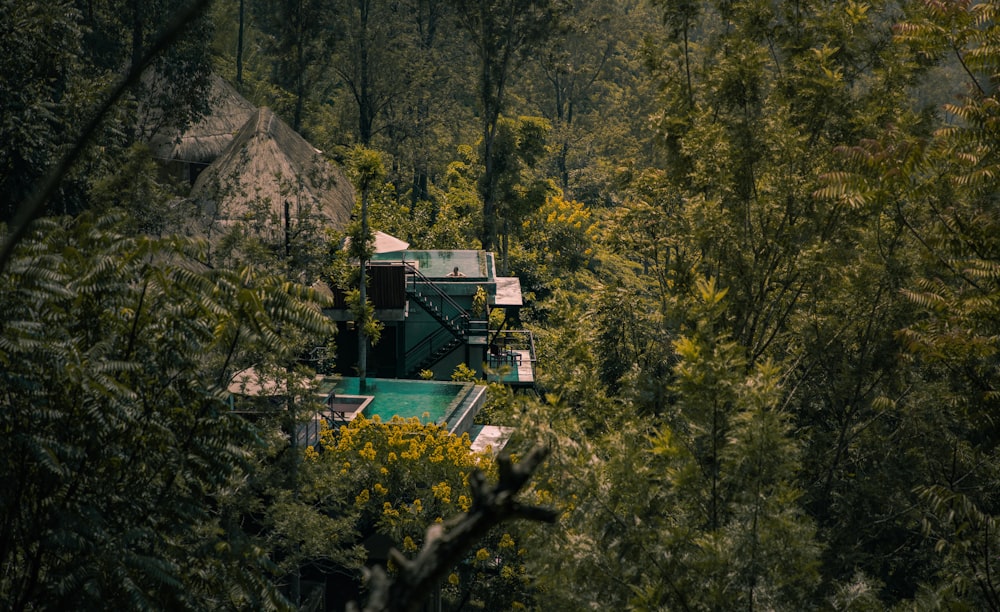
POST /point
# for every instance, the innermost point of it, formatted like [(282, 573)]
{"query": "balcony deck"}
[(515, 368)]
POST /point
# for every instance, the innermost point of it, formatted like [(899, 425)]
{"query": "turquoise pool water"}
[(429, 401), (439, 264)]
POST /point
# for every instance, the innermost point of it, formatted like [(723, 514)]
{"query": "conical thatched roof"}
[(205, 140), (266, 166)]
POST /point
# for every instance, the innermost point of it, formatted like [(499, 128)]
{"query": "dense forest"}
[(760, 241)]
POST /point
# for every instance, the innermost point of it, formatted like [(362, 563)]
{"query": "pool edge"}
[(461, 419)]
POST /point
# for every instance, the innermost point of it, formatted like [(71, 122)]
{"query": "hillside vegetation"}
[(759, 241)]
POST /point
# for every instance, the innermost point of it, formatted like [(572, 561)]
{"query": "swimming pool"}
[(447, 403), (440, 264)]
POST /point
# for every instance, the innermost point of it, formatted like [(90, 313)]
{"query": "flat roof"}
[(508, 292)]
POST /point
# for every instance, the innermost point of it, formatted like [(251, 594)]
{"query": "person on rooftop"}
[(456, 272)]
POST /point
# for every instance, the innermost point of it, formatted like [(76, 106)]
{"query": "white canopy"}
[(384, 243)]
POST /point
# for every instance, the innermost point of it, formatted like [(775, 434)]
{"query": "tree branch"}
[(33, 206), (447, 543)]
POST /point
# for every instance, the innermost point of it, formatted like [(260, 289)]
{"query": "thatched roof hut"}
[(205, 140), (266, 168)]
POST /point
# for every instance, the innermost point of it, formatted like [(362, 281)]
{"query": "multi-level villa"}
[(435, 306)]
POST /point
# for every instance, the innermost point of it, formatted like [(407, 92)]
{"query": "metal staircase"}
[(456, 323), (431, 350)]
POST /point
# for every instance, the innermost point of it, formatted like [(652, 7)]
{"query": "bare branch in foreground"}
[(34, 205), (447, 543)]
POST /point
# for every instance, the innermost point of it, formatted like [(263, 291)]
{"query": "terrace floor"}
[(520, 370)]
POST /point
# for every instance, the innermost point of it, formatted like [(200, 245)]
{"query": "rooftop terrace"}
[(438, 264)]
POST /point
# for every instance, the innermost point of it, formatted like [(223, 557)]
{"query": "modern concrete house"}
[(255, 177), (435, 306)]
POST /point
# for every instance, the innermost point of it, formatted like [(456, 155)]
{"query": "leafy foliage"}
[(561, 233), (699, 511), (814, 427), (119, 441), (502, 33), (394, 479)]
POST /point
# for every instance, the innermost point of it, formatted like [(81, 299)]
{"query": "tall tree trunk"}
[(300, 69), (137, 39), (687, 66), (363, 297), (300, 91), (239, 44), (366, 110), (492, 92), (488, 191)]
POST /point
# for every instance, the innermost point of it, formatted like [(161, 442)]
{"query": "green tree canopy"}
[(119, 441)]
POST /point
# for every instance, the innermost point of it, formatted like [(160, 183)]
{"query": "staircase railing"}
[(423, 354), (454, 319), (440, 305)]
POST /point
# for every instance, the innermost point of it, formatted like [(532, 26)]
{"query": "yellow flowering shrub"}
[(403, 476), (563, 230), (368, 452), (410, 467), (442, 491)]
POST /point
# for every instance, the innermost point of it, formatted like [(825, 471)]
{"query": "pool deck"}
[(344, 408), (493, 437)]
